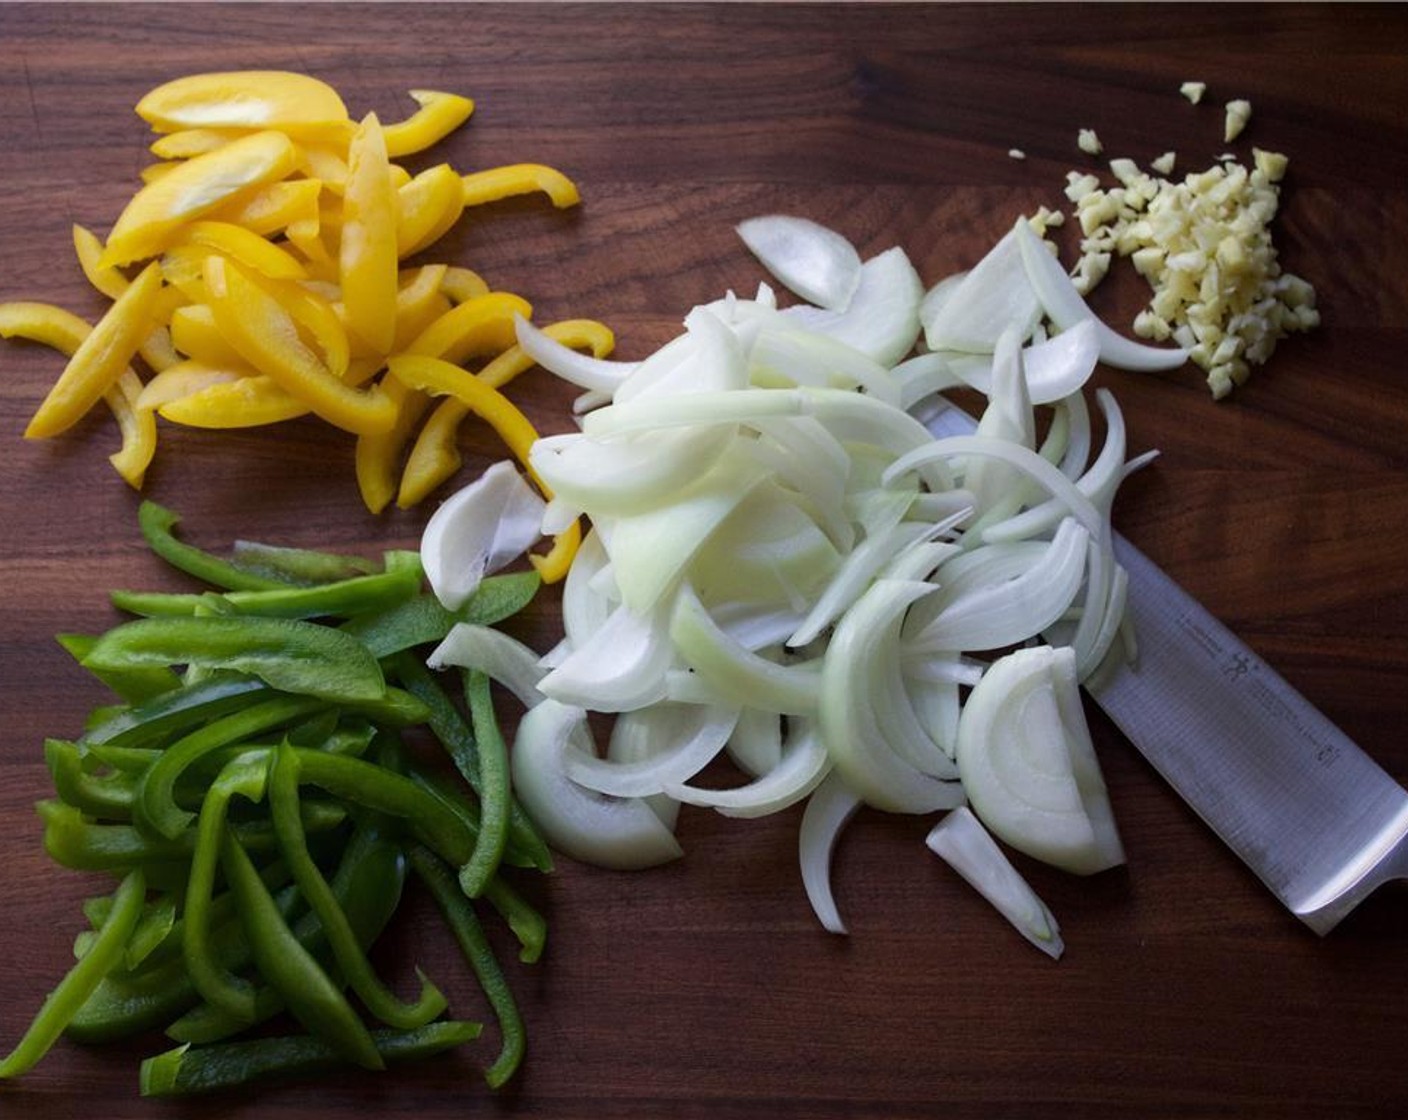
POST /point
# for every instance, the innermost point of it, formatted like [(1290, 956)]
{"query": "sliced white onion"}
[(1000, 615), (814, 262), (618, 668), (583, 370), (782, 356), (618, 833), (922, 376), (873, 767), (635, 737), (501, 657), (882, 317), (690, 737), (961, 841), (1066, 308), (1028, 764), (734, 673), (797, 773), (829, 809), (584, 608), (994, 296), (489, 523), (756, 743)]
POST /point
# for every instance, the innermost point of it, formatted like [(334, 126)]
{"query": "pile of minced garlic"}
[(1205, 247)]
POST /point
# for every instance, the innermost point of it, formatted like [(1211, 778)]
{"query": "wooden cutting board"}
[(706, 988)]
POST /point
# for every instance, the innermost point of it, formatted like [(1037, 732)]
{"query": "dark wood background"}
[(707, 988)]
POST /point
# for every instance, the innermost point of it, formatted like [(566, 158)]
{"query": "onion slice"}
[(961, 841), (814, 262), (621, 834), (829, 809)]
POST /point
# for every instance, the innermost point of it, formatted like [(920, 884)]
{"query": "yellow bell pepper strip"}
[(316, 317), (192, 142), (250, 249), (155, 171), (297, 104), (428, 207), (367, 259), (154, 216), (183, 268), (274, 207), (327, 165), (101, 357), (519, 178), (461, 284), (264, 332), (435, 455), (65, 332), (245, 402), (438, 377), (88, 247), (376, 456), (184, 379), (194, 334), (156, 349), (419, 301), (399, 176), (438, 116), (482, 325)]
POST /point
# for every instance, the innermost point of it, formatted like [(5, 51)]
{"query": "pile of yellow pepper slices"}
[(267, 248)]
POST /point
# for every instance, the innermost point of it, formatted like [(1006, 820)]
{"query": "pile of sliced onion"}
[(788, 569)]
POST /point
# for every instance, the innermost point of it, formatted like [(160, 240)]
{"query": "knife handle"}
[(1325, 910)]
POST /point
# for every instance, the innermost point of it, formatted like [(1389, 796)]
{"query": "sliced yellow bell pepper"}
[(278, 206), (89, 249), (152, 172), (251, 250), (427, 207), (297, 104), (266, 334), (101, 357), (368, 261), (435, 455), (327, 165), (194, 334), (432, 375), (193, 142), (461, 284), (183, 268), (245, 402), (376, 456), (438, 116), (519, 178), (419, 302), (186, 378), (156, 213), (482, 325), (65, 332)]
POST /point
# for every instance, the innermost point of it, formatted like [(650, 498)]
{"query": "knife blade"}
[(1317, 820)]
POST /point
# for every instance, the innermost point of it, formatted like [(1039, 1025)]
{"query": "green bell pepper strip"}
[(493, 787), (423, 620), (464, 924), (156, 793), (124, 1005), (132, 685), (187, 1070), (367, 885), (156, 523), (344, 599), (154, 720), (384, 791), (522, 917), (302, 566), (457, 738), (284, 776), (309, 993), (81, 981), (246, 776), (80, 844), (288, 654), (107, 797)]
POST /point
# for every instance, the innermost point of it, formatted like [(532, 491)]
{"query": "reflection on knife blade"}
[(1310, 813)]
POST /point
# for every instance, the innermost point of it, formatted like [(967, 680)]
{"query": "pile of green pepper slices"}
[(262, 810)]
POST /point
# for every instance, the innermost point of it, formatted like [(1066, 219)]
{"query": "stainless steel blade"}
[(1318, 821)]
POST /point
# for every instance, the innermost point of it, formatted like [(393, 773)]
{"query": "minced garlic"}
[(1204, 245), (1193, 91), (1088, 142), (1239, 112)]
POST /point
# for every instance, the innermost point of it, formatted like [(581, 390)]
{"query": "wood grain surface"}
[(706, 988)]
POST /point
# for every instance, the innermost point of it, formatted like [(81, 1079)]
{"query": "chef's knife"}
[(1319, 821)]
